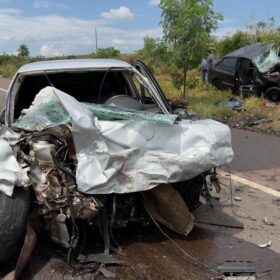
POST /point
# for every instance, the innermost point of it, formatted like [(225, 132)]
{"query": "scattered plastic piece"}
[(268, 244), (232, 103), (267, 222)]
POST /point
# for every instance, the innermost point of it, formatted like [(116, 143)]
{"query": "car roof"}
[(73, 64), (250, 51)]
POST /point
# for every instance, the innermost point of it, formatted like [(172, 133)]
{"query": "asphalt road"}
[(257, 157), (150, 255)]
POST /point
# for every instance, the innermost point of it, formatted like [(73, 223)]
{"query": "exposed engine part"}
[(58, 232), (275, 74), (50, 169), (70, 144), (214, 180), (42, 152)]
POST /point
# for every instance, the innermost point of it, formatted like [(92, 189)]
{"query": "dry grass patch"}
[(203, 102)]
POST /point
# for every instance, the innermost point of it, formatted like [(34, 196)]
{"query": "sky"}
[(63, 27)]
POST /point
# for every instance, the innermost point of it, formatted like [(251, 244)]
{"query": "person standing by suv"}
[(204, 69), (205, 66)]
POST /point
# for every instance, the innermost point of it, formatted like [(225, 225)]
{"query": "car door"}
[(147, 73), (228, 71)]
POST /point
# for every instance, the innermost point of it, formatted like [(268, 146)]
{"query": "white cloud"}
[(227, 20), (154, 2), (122, 13), (49, 5), (118, 42), (52, 50), (51, 35), (226, 31), (10, 11)]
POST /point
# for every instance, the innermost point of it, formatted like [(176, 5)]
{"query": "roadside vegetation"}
[(175, 60), (258, 115)]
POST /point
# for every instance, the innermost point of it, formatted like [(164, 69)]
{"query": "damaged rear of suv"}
[(97, 142)]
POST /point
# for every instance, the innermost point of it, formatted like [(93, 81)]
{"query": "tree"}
[(233, 42), (23, 51), (187, 25), (110, 52), (154, 53), (148, 51), (257, 32)]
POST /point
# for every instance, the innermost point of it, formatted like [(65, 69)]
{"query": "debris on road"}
[(268, 244), (258, 122), (232, 103), (167, 206), (237, 198), (267, 222), (237, 270)]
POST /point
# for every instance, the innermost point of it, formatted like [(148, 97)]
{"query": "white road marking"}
[(251, 184), (2, 89)]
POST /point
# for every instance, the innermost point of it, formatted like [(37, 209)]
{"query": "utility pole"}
[(96, 45)]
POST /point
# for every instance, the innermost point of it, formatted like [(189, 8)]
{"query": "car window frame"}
[(229, 69)]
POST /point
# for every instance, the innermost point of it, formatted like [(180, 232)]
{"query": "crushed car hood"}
[(131, 155)]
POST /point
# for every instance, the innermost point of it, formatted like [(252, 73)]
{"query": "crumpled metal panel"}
[(10, 171), (124, 156), (127, 156)]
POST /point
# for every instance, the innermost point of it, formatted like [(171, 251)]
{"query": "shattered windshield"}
[(47, 110), (267, 60)]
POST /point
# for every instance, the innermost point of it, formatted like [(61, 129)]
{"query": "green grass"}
[(203, 102), (199, 99)]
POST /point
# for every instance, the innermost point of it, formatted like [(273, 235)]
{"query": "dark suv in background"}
[(251, 69)]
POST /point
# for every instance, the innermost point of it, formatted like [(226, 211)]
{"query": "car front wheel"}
[(13, 218), (273, 94)]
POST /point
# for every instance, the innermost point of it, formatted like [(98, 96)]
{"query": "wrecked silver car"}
[(248, 70), (97, 141)]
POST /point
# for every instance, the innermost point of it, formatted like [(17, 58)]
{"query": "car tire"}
[(217, 83), (13, 218), (273, 94)]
